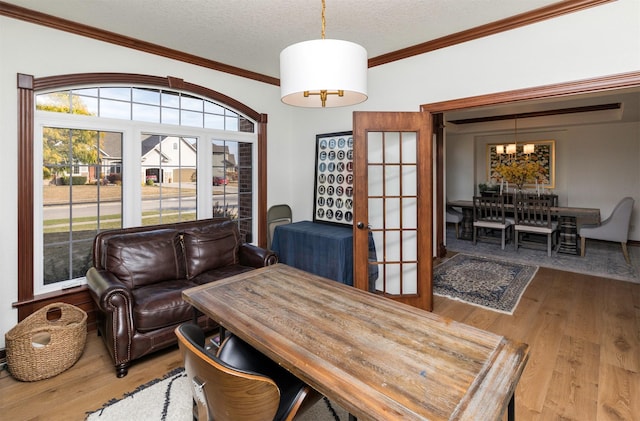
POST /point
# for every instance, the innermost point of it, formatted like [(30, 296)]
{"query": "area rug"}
[(490, 283), (602, 258), (169, 399)]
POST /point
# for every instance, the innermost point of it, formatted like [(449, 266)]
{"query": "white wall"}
[(596, 165), (599, 41)]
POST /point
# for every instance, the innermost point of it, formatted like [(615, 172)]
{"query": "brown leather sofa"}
[(138, 276)]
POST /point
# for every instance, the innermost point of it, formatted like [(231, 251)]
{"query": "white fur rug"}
[(169, 399)]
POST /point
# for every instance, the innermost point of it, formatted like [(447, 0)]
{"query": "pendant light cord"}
[(323, 18)]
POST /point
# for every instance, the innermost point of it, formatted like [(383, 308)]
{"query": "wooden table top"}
[(375, 357)]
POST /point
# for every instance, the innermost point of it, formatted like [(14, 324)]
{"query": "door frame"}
[(585, 86)]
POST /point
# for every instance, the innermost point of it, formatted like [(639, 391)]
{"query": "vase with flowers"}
[(521, 172)]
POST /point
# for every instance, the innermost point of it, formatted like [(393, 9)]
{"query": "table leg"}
[(511, 410), (223, 333), (568, 242)]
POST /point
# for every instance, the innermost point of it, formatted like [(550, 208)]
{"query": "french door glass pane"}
[(392, 213)]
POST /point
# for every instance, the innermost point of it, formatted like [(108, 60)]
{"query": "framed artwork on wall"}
[(333, 198), (544, 154)]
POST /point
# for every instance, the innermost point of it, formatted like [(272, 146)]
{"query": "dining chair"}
[(455, 217), (614, 228), (489, 213), (277, 215), (239, 383), (533, 216)]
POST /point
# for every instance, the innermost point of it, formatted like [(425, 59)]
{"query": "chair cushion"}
[(542, 229), (144, 258), (495, 225), (454, 217), (211, 247), (160, 305)]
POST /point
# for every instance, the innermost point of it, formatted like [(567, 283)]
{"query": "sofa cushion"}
[(160, 305), (144, 258), (220, 273), (211, 247)]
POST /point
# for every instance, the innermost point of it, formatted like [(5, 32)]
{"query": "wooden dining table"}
[(582, 216), (375, 357)]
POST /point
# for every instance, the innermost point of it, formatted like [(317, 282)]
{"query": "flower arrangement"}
[(522, 172)]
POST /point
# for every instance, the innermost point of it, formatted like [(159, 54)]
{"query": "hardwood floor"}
[(584, 334)]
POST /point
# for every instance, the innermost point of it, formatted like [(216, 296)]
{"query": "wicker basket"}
[(38, 348)]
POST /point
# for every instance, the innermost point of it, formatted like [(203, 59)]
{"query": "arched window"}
[(117, 150)]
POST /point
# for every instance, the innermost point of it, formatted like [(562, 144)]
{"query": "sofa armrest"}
[(103, 285), (114, 318), (255, 256)]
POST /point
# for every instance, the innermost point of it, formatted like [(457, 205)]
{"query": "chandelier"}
[(333, 70), (512, 148), (515, 170)]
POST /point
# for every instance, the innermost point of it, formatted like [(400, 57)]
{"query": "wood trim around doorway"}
[(598, 84)]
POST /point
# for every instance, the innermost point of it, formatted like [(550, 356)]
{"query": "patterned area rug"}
[(169, 399), (602, 258), (493, 284)]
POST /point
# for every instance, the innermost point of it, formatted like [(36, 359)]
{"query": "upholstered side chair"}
[(454, 217), (614, 228)]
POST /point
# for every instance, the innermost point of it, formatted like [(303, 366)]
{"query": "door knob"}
[(360, 225)]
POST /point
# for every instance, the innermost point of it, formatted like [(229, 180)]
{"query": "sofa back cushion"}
[(144, 258), (211, 247)]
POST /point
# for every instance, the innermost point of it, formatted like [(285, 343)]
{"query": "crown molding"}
[(44, 19), (548, 12), (523, 19)]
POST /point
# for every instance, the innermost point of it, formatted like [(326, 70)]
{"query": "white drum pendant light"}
[(323, 72)]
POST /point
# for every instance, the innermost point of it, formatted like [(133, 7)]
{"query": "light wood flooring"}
[(584, 334)]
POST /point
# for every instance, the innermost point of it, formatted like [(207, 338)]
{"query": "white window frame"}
[(131, 168)]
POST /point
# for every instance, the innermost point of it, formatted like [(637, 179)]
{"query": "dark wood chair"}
[(236, 382), (533, 216), (489, 214)]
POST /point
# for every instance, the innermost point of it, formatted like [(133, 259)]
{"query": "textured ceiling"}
[(250, 34)]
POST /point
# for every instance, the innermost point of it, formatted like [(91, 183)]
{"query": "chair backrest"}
[(489, 208), (532, 210), (553, 198), (227, 393), (277, 215), (618, 222)]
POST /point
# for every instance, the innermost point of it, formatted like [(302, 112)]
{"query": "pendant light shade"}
[(333, 69), (323, 72)]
